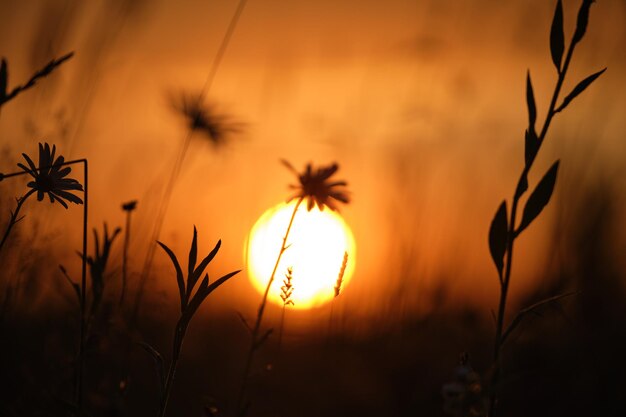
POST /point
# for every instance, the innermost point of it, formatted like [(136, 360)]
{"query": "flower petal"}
[(59, 199), (30, 162), (63, 172), (26, 169), (68, 196)]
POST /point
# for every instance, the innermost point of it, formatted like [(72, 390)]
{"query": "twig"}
[(13, 219), (522, 313)]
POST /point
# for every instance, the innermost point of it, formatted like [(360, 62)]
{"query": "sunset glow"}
[(316, 246)]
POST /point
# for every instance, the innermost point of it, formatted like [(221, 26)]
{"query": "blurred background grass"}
[(421, 103)]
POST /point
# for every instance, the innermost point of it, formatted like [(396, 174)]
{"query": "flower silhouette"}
[(50, 177), (204, 118), (316, 189), (130, 206)]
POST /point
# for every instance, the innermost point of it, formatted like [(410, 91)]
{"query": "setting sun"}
[(316, 247)]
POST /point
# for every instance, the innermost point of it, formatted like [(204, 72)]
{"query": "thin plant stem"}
[(286, 293), (83, 298), (14, 216), (125, 256), (330, 318), (177, 344), (280, 329), (512, 235), (337, 289), (254, 339), (178, 163)]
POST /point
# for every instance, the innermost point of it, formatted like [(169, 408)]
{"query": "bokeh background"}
[(422, 105)]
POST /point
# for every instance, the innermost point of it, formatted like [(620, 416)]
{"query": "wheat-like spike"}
[(286, 290), (341, 273)]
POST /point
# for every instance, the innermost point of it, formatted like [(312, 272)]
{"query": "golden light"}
[(317, 243)]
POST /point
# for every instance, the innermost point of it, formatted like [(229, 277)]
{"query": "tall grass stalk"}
[(337, 290), (6, 95), (286, 292), (178, 163), (256, 340), (504, 229), (189, 304), (128, 208)]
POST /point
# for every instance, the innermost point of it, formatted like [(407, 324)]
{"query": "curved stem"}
[(257, 325), (14, 216)]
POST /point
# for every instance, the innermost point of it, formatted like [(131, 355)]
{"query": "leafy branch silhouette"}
[(504, 229)]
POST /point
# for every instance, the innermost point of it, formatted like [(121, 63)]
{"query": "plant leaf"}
[(193, 255), (582, 21), (530, 103), (539, 198), (244, 321), (205, 262), (203, 292), (179, 276), (220, 281), (498, 236), (557, 39), (158, 364), (197, 299), (518, 319), (579, 89), (74, 285), (263, 339)]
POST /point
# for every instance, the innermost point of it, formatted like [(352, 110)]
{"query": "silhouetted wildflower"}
[(315, 188), (203, 118), (98, 263), (463, 396), (130, 206), (50, 177)]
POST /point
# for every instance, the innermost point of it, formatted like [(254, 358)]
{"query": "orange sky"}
[(421, 103)]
